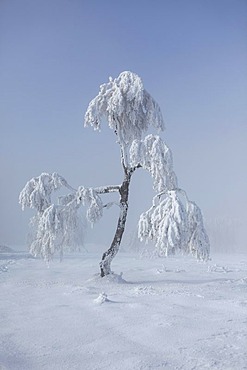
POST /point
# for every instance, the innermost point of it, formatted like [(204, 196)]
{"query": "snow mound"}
[(102, 298), (111, 278), (4, 268)]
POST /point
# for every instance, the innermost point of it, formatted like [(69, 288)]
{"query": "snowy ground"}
[(171, 313)]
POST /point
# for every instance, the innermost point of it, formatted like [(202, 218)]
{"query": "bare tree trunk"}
[(105, 264)]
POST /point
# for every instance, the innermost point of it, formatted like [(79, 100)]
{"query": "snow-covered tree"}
[(173, 222)]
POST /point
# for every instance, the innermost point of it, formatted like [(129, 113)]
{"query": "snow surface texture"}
[(165, 313)]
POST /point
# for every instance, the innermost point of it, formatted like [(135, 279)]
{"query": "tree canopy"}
[(173, 222)]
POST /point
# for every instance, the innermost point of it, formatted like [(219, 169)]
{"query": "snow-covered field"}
[(171, 313)]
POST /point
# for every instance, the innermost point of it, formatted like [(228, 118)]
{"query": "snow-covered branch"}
[(198, 241), (154, 155), (89, 197), (128, 108), (107, 189), (174, 224), (37, 192), (57, 226), (165, 223), (126, 105)]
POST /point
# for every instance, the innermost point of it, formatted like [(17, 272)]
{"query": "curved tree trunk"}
[(105, 264)]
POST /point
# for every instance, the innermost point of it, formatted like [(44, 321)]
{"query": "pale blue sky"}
[(192, 57)]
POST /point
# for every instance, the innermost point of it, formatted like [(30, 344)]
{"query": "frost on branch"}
[(90, 197), (165, 223), (37, 192), (57, 228), (175, 226), (198, 243), (128, 108), (154, 155)]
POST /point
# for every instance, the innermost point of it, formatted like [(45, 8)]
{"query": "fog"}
[(192, 58)]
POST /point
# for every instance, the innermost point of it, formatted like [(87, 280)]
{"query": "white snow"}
[(127, 106), (164, 313)]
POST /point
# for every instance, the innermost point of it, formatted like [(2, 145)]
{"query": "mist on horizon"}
[(192, 58)]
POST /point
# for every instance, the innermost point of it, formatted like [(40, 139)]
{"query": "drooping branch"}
[(56, 226), (37, 191), (128, 108), (165, 224), (198, 241), (173, 225), (107, 189), (154, 156)]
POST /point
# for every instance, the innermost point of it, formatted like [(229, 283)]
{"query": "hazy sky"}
[(192, 58)]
